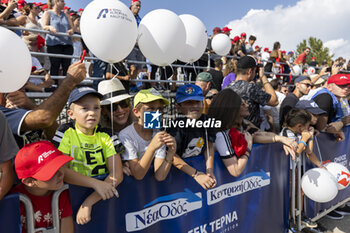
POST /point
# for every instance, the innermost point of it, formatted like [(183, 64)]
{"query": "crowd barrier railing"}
[(131, 61), (256, 201)]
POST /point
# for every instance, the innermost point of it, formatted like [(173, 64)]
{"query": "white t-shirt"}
[(135, 146)]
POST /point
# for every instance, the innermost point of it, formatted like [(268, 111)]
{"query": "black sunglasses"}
[(122, 104), (307, 84)]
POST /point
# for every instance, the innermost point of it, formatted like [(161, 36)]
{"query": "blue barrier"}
[(331, 151), (9, 214), (257, 201)]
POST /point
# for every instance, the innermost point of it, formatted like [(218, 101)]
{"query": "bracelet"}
[(169, 162), (248, 150), (195, 174), (265, 83), (303, 143), (246, 155)]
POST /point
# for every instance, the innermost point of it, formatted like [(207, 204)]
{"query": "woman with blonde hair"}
[(229, 73)]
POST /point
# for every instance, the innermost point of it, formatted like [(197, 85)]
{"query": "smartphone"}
[(329, 69)]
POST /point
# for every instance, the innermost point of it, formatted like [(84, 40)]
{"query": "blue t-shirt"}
[(15, 118)]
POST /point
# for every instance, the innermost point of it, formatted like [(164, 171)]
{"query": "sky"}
[(286, 21)]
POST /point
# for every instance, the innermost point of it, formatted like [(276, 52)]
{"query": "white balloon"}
[(162, 36), (15, 61), (311, 70), (296, 70), (341, 174), (196, 39), (109, 29), (319, 185), (221, 44)]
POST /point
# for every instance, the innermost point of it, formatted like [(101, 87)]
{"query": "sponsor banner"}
[(330, 151), (257, 201)]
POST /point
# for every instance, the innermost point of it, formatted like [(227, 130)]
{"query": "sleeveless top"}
[(61, 23)]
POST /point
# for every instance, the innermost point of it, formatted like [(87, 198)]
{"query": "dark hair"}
[(274, 83), (276, 45), (225, 107), (297, 116), (27, 8), (251, 37), (242, 71), (218, 62)]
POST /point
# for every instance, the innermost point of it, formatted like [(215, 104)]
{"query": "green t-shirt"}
[(90, 153)]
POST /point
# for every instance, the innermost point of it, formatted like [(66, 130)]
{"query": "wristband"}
[(195, 174), (303, 143), (169, 162)]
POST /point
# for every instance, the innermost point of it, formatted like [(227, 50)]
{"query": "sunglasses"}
[(122, 104), (307, 85), (210, 97)]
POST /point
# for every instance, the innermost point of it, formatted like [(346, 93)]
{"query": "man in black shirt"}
[(217, 74), (302, 87)]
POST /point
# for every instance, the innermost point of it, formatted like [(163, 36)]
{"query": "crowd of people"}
[(258, 96)]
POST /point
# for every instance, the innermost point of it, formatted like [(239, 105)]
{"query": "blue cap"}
[(310, 106), (77, 93), (301, 78), (189, 92)]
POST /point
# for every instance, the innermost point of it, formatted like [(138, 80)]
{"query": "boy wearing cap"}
[(191, 140), (143, 145), (91, 147), (39, 166)]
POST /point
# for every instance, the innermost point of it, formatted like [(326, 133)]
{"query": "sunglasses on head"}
[(122, 104)]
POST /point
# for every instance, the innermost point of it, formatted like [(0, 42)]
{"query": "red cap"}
[(257, 47), (266, 49), (39, 4), (40, 160), (243, 34), (340, 79), (225, 29), (236, 38), (81, 9), (45, 7), (21, 4), (134, 1), (73, 13), (216, 30), (66, 8), (313, 57), (4, 1), (283, 51)]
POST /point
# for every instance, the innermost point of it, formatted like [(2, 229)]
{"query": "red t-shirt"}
[(42, 207), (301, 58)]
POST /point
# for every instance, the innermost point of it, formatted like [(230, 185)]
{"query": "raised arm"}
[(46, 113)]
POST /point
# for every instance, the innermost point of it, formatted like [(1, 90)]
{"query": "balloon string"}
[(111, 110), (195, 70), (112, 65), (318, 148)]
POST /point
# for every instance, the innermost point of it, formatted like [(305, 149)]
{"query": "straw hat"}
[(112, 91)]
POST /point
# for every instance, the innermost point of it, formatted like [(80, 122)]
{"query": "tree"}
[(317, 50)]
